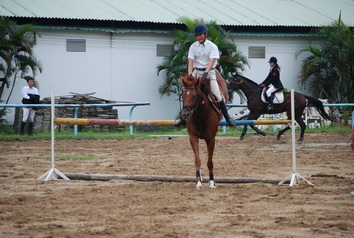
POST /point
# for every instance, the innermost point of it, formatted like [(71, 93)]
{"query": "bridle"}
[(190, 108), (255, 95)]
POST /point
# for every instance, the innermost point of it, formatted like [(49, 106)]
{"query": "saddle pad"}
[(279, 97)]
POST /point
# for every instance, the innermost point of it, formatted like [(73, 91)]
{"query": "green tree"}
[(329, 70), (16, 53), (175, 65)]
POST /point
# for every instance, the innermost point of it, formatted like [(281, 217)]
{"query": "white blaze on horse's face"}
[(188, 93)]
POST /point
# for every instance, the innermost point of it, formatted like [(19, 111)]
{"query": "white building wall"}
[(122, 67)]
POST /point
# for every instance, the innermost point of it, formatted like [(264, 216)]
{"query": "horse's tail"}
[(319, 106)]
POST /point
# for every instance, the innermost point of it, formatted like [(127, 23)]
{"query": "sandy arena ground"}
[(119, 208)]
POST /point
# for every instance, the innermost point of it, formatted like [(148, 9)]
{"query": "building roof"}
[(284, 13)]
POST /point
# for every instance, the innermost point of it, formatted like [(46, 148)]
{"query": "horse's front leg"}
[(211, 145), (280, 133), (195, 147), (243, 132), (258, 130)]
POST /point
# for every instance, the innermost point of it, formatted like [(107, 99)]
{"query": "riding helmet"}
[(200, 29), (273, 60)]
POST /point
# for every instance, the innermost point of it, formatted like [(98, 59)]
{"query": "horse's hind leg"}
[(210, 145), (302, 126), (194, 141)]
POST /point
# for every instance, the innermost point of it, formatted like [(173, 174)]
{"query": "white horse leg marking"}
[(199, 185), (212, 184)]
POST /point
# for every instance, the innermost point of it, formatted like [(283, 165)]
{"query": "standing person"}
[(273, 81), (202, 59), (30, 95)]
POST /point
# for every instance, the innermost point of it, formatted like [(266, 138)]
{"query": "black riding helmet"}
[(273, 60)]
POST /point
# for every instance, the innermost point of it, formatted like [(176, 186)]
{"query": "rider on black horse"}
[(273, 81)]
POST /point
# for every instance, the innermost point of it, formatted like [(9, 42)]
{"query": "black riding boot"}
[(22, 128), (226, 114), (270, 102), (179, 123), (30, 128)]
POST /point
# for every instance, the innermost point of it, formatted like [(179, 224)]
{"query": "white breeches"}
[(213, 83), (271, 90), (28, 113)]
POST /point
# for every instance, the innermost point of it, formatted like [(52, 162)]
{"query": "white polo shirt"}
[(27, 90), (202, 53)]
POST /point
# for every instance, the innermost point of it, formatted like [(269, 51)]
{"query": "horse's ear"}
[(184, 80), (181, 81)]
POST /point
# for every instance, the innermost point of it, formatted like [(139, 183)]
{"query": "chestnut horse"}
[(202, 120), (253, 93)]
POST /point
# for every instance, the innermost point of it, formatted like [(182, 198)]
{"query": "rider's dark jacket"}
[(274, 78)]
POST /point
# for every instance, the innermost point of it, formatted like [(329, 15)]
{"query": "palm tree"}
[(329, 71), (175, 65), (16, 51)]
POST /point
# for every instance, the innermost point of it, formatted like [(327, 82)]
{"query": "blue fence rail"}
[(78, 106)]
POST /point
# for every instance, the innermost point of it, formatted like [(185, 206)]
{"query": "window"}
[(75, 45), (256, 52), (163, 50)]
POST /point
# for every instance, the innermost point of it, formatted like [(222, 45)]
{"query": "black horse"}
[(257, 107)]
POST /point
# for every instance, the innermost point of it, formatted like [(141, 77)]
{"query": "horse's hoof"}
[(212, 184), (199, 185), (278, 137), (263, 134), (299, 141), (241, 138)]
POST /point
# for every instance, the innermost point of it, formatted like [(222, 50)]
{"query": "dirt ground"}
[(30, 207)]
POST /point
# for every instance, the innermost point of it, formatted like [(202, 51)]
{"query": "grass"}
[(9, 134)]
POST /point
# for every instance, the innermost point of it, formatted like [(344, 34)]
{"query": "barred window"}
[(256, 52), (163, 50), (75, 45)]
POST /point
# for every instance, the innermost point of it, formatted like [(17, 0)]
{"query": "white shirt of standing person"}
[(27, 90)]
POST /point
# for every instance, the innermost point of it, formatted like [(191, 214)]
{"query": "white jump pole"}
[(53, 173), (294, 178)]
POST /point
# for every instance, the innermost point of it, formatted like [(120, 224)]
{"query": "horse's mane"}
[(205, 87), (247, 79)]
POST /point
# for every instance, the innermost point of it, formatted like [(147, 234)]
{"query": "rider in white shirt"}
[(202, 59)]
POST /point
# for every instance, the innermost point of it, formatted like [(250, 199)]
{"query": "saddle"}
[(223, 91), (278, 96)]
